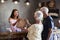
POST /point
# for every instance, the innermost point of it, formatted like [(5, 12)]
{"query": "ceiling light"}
[(16, 1), (27, 2), (2, 1)]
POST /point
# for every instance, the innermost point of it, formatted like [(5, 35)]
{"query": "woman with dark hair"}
[(13, 19), (15, 11), (16, 22)]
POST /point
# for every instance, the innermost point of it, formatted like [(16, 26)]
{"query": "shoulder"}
[(51, 18), (48, 18), (32, 26), (9, 18), (38, 25)]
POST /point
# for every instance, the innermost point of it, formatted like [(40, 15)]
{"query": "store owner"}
[(14, 19)]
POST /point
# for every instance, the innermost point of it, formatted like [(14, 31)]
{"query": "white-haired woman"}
[(35, 30)]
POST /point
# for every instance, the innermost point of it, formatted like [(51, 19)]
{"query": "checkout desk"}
[(12, 35)]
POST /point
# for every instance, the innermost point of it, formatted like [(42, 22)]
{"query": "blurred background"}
[(26, 10)]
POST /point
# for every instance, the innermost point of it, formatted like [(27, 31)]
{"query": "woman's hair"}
[(39, 15), (12, 14)]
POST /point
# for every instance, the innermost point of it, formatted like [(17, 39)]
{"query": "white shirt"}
[(34, 32)]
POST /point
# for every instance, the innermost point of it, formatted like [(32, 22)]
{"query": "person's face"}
[(35, 17), (16, 13), (44, 14), (51, 4)]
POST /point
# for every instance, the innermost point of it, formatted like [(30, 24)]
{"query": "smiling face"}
[(16, 13)]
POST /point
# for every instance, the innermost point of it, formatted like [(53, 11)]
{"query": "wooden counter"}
[(12, 35)]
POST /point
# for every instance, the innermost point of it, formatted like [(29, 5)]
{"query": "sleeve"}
[(31, 28), (49, 23), (30, 31), (34, 31), (52, 22)]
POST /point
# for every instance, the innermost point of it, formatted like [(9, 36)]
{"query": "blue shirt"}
[(47, 23)]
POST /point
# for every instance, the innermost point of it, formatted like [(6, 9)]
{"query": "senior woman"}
[(35, 30)]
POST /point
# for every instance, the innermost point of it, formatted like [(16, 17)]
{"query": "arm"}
[(50, 25), (50, 31), (28, 23), (13, 24), (31, 30)]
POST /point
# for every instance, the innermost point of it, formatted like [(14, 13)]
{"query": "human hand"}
[(18, 20)]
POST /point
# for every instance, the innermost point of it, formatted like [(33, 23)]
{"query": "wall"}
[(24, 11), (58, 7)]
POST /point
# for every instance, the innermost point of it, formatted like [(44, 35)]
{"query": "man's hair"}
[(45, 9)]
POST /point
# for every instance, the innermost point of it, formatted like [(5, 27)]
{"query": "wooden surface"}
[(12, 35)]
